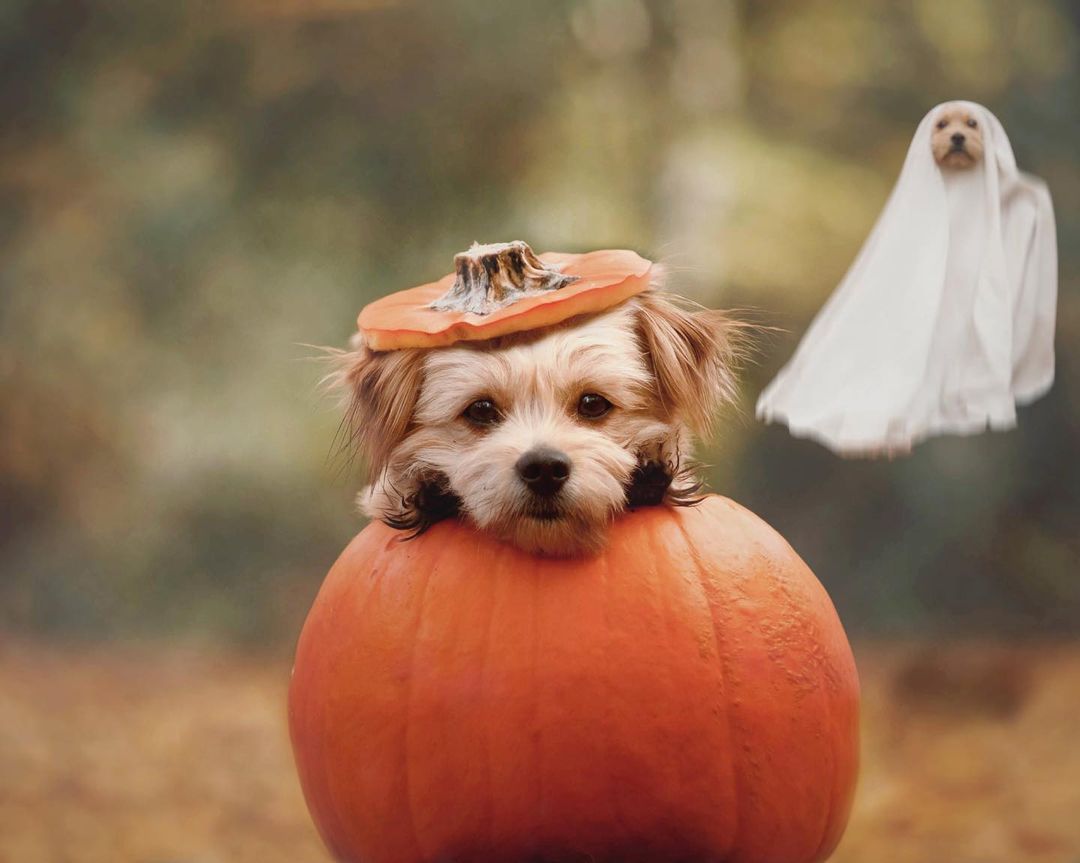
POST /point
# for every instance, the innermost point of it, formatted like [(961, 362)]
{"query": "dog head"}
[(541, 437), (957, 137)]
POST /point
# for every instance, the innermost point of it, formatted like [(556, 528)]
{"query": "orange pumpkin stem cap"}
[(490, 277), (503, 288)]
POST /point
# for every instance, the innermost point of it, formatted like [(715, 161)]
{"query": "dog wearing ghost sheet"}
[(541, 437), (945, 321)]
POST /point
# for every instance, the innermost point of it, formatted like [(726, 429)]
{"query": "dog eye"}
[(482, 412), (592, 406), (972, 123), (941, 124)]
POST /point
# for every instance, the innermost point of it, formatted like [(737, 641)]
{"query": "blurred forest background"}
[(191, 193)]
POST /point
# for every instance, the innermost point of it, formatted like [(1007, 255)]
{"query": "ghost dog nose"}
[(543, 470), (957, 139)]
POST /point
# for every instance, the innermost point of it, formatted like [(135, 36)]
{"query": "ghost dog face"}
[(957, 137), (541, 437)]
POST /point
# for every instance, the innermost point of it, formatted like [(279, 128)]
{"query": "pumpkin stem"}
[(493, 276)]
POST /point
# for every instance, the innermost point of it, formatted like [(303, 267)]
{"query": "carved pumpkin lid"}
[(499, 289)]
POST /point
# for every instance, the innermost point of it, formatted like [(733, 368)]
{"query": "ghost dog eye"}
[(593, 406), (482, 412), (971, 122), (941, 124)]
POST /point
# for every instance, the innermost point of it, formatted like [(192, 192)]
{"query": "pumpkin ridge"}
[(536, 727), (613, 798), (319, 764), (824, 670), (828, 818), (832, 785), (410, 812), (837, 797), (321, 767), (335, 806), (826, 673), (830, 752), (485, 668), (725, 677), (656, 577)]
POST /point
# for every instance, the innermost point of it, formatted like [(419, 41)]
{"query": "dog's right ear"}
[(381, 389)]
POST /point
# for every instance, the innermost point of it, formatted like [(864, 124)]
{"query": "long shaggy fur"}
[(664, 366)]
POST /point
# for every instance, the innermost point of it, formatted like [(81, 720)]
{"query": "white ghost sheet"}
[(945, 321)]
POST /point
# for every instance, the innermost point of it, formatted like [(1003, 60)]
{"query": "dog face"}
[(956, 140), (542, 437)]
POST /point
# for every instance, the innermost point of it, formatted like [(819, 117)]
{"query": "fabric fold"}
[(945, 320)]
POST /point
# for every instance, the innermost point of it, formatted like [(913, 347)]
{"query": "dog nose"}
[(957, 138), (543, 470)]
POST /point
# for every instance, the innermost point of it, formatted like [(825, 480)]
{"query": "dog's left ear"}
[(692, 353)]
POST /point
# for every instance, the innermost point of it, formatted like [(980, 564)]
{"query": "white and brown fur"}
[(956, 140), (664, 368)]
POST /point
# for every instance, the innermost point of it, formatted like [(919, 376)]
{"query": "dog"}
[(541, 438), (956, 141)]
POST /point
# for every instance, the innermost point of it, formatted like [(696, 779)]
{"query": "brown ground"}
[(971, 755)]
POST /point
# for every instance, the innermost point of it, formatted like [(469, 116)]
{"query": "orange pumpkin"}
[(499, 289), (687, 695)]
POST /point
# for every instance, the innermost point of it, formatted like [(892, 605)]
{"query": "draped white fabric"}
[(945, 320)]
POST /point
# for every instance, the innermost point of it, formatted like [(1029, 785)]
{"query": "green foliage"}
[(191, 192)]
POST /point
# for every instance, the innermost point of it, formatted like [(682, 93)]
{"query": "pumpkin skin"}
[(687, 695), (603, 280)]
